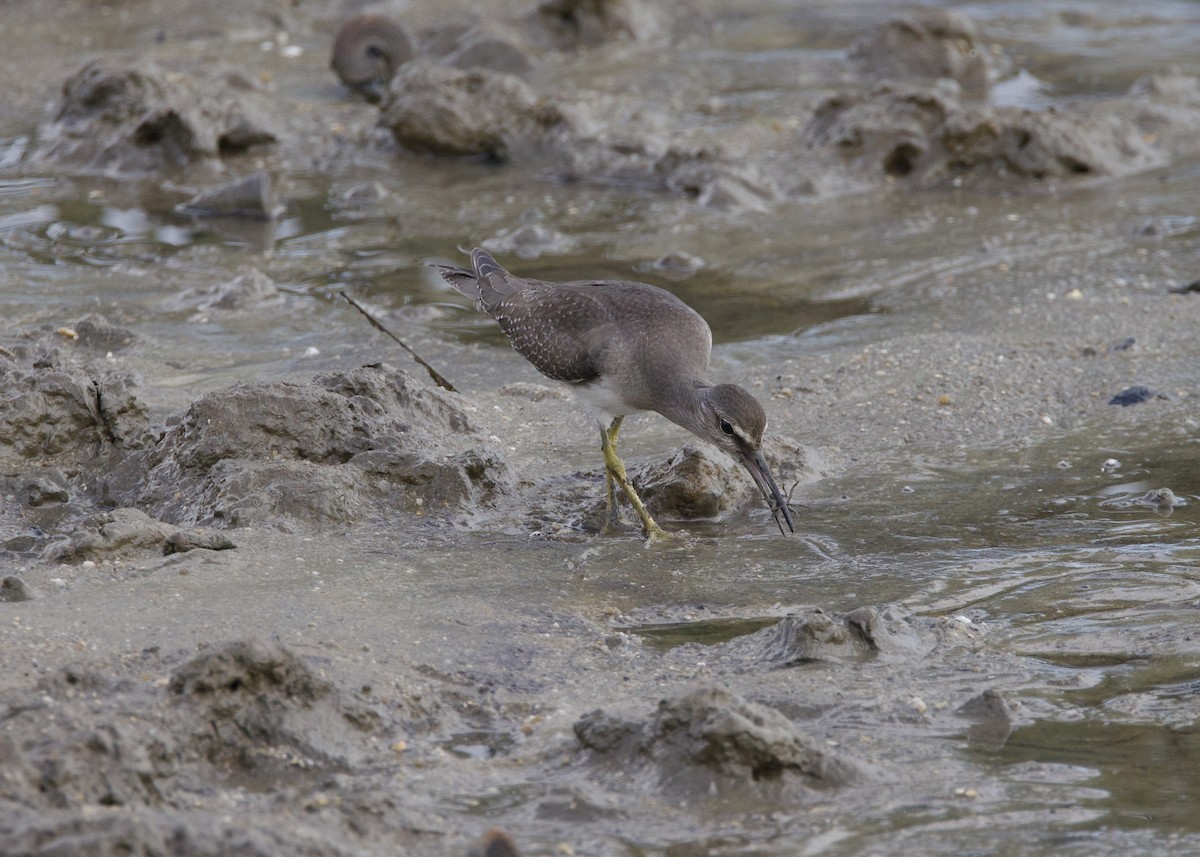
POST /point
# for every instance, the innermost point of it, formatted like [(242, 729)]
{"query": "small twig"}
[(378, 325)]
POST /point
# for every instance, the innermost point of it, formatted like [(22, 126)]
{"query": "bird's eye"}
[(726, 427)]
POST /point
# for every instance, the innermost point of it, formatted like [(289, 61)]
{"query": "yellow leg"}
[(614, 470), (608, 439)]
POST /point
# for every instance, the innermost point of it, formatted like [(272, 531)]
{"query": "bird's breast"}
[(602, 400)]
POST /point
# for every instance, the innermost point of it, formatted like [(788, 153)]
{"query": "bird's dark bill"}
[(761, 474)]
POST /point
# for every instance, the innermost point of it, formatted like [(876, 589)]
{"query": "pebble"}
[(13, 588), (1134, 396)]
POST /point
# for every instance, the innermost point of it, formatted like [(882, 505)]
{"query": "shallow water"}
[(1089, 598)]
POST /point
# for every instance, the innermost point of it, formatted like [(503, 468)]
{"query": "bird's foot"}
[(656, 535), (653, 532)]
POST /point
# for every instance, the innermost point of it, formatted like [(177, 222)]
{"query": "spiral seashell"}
[(368, 50)]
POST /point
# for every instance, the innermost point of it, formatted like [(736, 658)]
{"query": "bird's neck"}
[(685, 405)]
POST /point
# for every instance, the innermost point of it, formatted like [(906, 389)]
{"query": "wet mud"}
[(266, 588)]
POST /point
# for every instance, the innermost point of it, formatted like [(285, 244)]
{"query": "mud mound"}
[(50, 408), (112, 761), (890, 632), (118, 118), (926, 45), (330, 451), (163, 833), (346, 447), (258, 710), (924, 135), (69, 426), (709, 741), (109, 762)]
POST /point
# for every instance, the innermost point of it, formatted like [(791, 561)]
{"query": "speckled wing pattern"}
[(558, 327)]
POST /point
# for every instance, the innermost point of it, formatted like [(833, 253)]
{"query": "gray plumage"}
[(624, 347)]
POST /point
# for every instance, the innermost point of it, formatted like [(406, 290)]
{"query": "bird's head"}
[(733, 420)]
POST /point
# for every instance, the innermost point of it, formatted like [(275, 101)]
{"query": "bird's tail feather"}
[(486, 285), (461, 279), (494, 283)]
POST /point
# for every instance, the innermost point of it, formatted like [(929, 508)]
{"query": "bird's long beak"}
[(761, 474)]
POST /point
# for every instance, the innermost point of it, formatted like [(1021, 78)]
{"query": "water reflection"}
[(1148, 774)]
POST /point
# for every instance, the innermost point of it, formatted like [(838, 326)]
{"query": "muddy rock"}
[(586, 23), (133, 118), (56, 757), (677, 265), (700, 482), (1160, 499), (926, 136), (251, 288), (926, 45), (112, 533), (719, 183), (890, 632), (152, 833), (112, 763), (14, 589), (1084, 140), (371, 442), (48, 488), (18, 539), (708, 740), (475, 112), (122, 531), (693, 483), (70, 435), (96, 332), (889, 131), (992, 719), (51, 408), (648, 162), (812, 636), (182, 541), (1168, 87)]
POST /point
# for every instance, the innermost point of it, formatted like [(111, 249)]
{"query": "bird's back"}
[(588, 332)]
